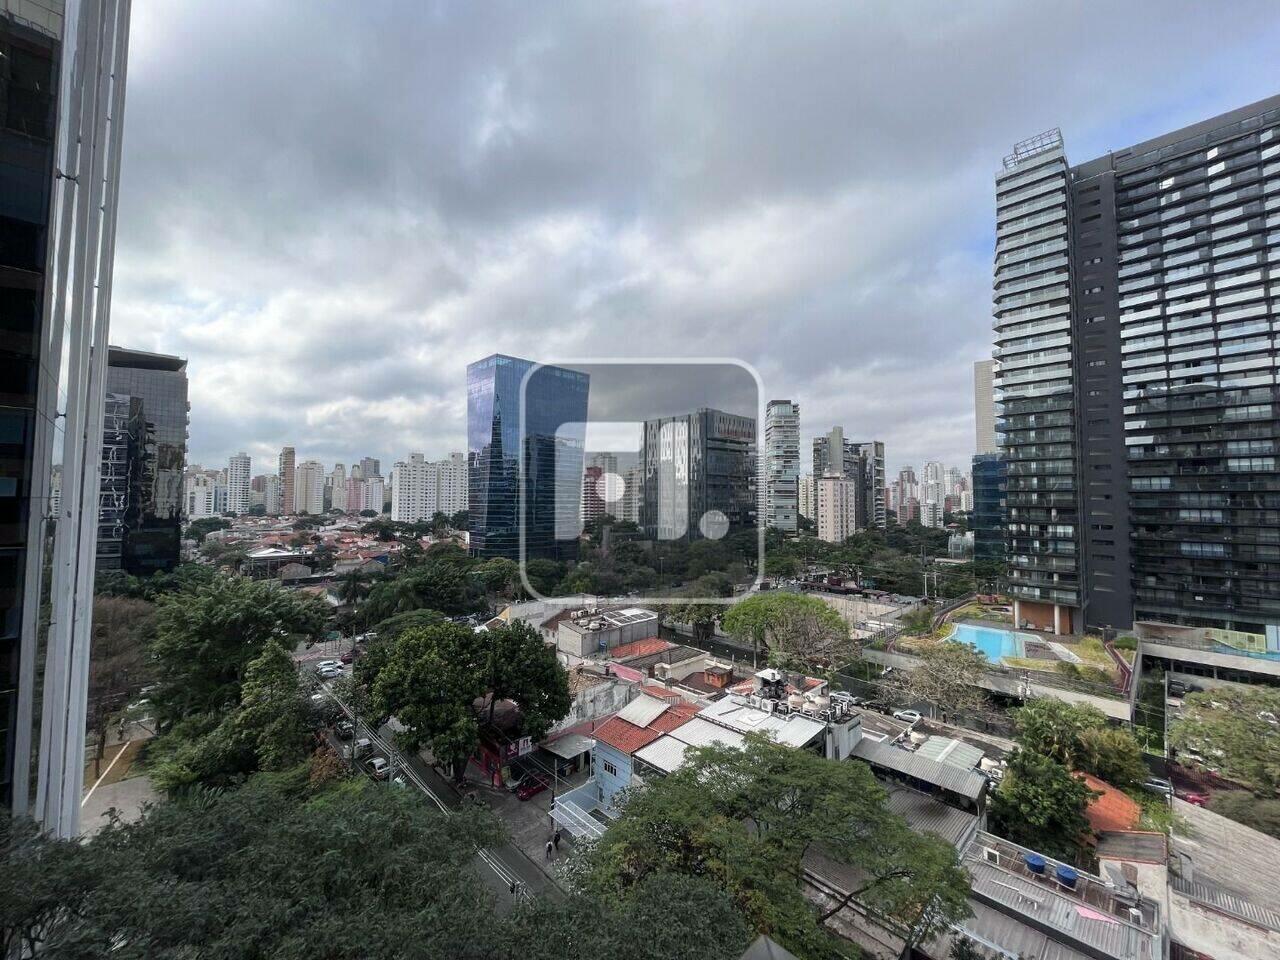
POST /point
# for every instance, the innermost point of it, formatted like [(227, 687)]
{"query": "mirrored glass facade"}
[(525, 448), (144, 448)]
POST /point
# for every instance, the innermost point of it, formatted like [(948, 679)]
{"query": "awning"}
[(569, 746)]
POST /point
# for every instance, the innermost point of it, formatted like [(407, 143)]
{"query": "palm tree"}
[(355, 584)]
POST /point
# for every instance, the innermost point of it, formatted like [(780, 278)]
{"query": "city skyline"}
[(849, 261)]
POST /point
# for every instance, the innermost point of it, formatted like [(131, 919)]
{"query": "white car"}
[(329, 673), (325, 664), (379, 767), (907, 716)]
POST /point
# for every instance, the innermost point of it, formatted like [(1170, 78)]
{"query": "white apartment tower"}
[(781, 465), (837, 508), (421, 488), (308, 488), (238, 483), (338, 487)]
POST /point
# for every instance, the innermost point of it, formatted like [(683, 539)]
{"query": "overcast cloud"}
[(331, 208)]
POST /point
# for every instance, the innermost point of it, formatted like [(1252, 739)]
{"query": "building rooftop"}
[(965, 783), (1092, 916), (1112, 809), (738, 713), (957, 753), (667, 752), (1138, 846), (640, 648), (1208, 849), (926, 814), (650, 719)]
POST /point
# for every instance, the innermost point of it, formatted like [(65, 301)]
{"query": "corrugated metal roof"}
[(1070, 917), (789, 729), (924, 814), (965, 783), (570, 745), (1227, 902), (666, 753), (642, 711), (955, 752), (990, 926), (702, 733)]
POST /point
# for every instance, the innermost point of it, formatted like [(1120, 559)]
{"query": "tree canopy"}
[(434, 677), (1237, 730), (748, 819), (436, 584), (1040, 805), (795, 629), (947, 675), (206, 638), (1080, 737)]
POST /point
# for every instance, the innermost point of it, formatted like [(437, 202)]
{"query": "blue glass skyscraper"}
[(525, 472)]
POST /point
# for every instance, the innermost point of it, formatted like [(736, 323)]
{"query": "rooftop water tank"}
[(1035, 863), (1067, 876)]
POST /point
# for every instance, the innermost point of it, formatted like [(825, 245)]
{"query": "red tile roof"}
[(625, 737), (1113, 810), (662, 693), (628, 738), (640, 648)]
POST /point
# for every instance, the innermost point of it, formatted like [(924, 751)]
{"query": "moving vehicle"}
[(532, 785)]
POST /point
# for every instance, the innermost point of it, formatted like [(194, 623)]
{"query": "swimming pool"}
[(991, 643)]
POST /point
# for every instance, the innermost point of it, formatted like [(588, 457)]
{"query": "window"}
[(609, 768)]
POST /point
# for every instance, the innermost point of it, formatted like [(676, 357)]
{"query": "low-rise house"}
[(585, 633)]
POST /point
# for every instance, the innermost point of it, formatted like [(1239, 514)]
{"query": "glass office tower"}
[(525, 448), (699, 475), (990, 478), (144, 454)]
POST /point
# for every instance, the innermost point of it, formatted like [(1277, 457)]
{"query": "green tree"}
[(434, 681), (1040, 805), (430, 682), (273, 719), (799, 628), (353, 586), (200, 528), (1079, 737), (746, 820), (206, 638), (434, 585), (523, 669), (1053, 728), (1237, 729)]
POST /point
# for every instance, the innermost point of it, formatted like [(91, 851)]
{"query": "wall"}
[(611, 783), (593, 703)]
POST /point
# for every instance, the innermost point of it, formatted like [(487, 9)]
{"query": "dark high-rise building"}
[(144, 453), (525, 465), (1136, 307), (699, 475), (29, 63), (990, 477)]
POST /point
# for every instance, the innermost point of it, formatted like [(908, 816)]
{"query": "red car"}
[(1199, 799), (532, 786)]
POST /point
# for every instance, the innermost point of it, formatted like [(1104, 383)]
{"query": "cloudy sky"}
[(331, 208)]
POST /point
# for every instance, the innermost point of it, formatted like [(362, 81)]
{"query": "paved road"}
[(506, 869)]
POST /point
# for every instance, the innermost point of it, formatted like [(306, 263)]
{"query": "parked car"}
[(325, 664), (329, 673), (532, 786), (344, 729), (518, 779), (1198, 799), (351, 655), (1158, 785), (379, 768), (360, 748), (908, 716)]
